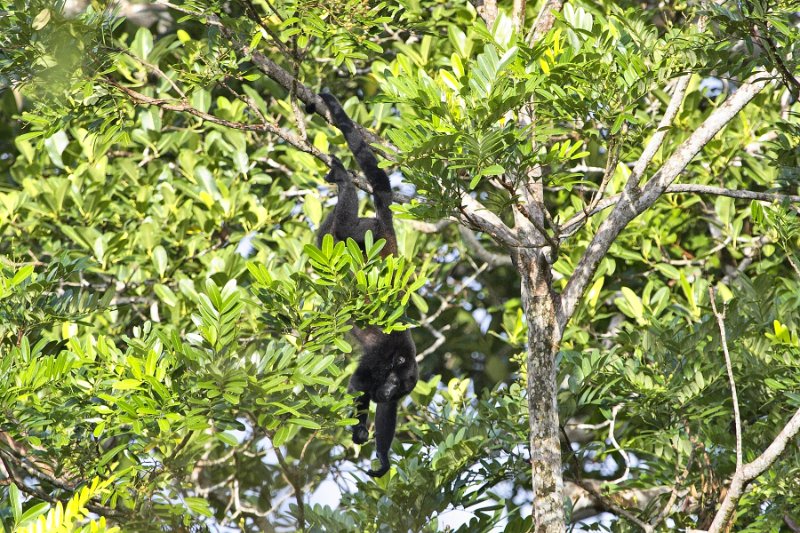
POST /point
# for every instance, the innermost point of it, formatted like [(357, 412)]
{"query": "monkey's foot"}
[(379, 472), (384, 459), (360, 434)]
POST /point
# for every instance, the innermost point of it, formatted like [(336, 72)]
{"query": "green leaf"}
[(160, 260), (142, 43), (198, 506), (21, 275), (302, 422), (16, 502), (126, 384), (110, 454), (201, 99), (41, 19), (419, 302), (55, 146), (634, 301), (343, 345), (165, 294), (282, 435), (32, 513)]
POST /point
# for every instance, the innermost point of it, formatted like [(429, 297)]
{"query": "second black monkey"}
[(387, 370)]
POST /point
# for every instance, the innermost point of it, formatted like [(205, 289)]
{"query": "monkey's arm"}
[(361, 150)]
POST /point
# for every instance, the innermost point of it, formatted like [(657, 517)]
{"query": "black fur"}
[(387, 370)]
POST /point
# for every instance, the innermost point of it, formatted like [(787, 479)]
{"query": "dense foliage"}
[(170, 327)]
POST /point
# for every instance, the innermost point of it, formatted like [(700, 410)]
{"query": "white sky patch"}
[(245, 246)]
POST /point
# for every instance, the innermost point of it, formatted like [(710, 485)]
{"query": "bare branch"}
[(283, 77), (661, 132), (429, 227), (678, 161), (732, 193), (613, 439), (183, 107), (737, 419), (476, 215), (608, 503), (544, 20), (752, 470), (518, 15), (439, 339), (292, 477), (680, 479), (472, 242), (487, 10), (631, 204), (608, 172), (571, 226), (252, 13)]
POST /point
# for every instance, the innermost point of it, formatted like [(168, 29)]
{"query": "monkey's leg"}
[(360, 432), (358, 384), (385, 424), (346, 210)]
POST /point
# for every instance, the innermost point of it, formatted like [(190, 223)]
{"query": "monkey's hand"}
[(360, 434), (311, 107), (384, 459)]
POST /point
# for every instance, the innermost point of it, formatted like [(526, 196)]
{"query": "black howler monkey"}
[(387, 370)]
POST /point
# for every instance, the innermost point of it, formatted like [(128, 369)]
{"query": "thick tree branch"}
[(487, 10), (476, 215), (544, 20), (632, 203), (732, 193), (676, 163), (491, 259), (574, 224), (518, 15)]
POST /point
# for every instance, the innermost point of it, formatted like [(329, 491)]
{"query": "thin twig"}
[(615, 508), (611, 167), (290, 476), (613, 439), (252, 13), (472, 242), (734, 396), (183, 107)]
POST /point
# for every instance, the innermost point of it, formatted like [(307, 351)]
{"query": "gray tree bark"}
[(539, 304)]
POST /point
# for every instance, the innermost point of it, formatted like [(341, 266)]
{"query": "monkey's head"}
[(337, 174), (401, 379)]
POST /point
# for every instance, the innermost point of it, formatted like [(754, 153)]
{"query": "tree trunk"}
[(548, 484)]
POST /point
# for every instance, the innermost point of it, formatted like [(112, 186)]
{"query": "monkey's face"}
[(401, 380), (334, 177), (338, 173)]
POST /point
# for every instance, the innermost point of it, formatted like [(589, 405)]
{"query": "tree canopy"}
[(596, 209)]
